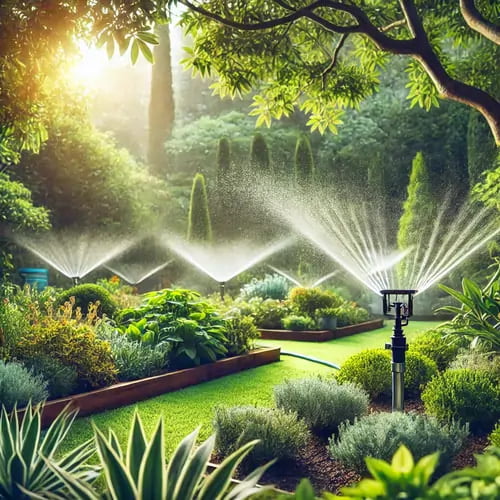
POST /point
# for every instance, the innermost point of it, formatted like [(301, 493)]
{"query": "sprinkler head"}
[(391, 297), (222, 290), (76, 280)]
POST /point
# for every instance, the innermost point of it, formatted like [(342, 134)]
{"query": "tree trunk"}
[(161, 104)]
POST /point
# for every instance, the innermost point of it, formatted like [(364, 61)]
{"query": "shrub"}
[(379, 435), (474, 359), (241, 334), (304, 162), (308, 300), (435, 346), (13, 322), (494, 437), (349, 313), (281, 434), (19, 386), (273, 286), (87, 294), (322, 403), (62, 379), (268, 313), (371, 369), (133, 359), (466, 395), (294, 322), (73, 344), (199, 223)]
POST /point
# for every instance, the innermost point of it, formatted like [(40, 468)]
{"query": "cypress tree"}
[(199, 224), (481, 149), (304, 162), (223, 158), (259, 153), (418, 213)]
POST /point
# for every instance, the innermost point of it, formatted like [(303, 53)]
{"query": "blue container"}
[(35, 277)]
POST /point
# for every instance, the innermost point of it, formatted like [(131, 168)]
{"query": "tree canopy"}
[(323, 56)]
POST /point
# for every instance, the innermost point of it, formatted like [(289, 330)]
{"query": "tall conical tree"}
[(199, 224), (481, 149), (259, 153), (161, 103), (223, 158), (304, 162), (419, 211)]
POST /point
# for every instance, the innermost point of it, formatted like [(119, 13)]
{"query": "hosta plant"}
[(28, 462), (140, 472)]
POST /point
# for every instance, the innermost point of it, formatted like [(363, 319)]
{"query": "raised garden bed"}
[(321, 335), (126, 393)]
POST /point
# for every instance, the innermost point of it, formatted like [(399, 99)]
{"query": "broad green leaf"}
[(145, 50), (402, 461)]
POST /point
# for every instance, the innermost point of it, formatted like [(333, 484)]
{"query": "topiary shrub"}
[(306, 301), (281, 434), (466, 395), (18, 386), (62, 380), (379, 435), (73, 344), (199, 221), (435, 346), (298, 323), (259, 153), (273, 286), (322, 403), (371, 369), (241, 334), (87, 294)]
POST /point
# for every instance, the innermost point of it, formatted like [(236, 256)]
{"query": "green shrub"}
[(349, 313), (298, 323), (62, 379), (273, 286), (73, 344), (307, 300), (133, 359), (371, 369), (266, 313), (475, 359), (199, 222), (379, 435), (18, 386), (281, 434), (241, 334), (466, 395), (435, 346), (494, 437), (13, 322), (322, 403), (259, 153), (86, 294)]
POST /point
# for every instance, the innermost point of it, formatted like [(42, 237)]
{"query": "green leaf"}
[(402, 461), (148, 37), (152, 475), (136, 447), (145, 50)]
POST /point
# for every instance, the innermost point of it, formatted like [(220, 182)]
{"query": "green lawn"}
[(188, 408)]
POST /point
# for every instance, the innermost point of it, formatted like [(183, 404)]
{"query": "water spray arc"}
[(403, 310)]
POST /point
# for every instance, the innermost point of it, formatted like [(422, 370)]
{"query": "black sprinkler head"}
[(391, 297)]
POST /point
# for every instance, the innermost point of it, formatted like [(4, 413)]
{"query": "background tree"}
[(199, 223), (481, 150), (161, 104), (304, 162), (297, 59), (259, 153), (419, 211), (223, 158)]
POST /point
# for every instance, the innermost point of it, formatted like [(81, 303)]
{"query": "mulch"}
[(327, 474)]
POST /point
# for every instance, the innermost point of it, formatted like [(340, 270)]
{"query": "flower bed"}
[(321, 335), (126, 393)]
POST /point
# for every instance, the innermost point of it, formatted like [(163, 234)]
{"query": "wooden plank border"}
[(126, 393), (321, 335)]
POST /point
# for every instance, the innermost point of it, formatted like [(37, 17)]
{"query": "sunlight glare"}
[(89, 66)]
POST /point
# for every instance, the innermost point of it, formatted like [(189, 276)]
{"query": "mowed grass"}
[(186, 409)]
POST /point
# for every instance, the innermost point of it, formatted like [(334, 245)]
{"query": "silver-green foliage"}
[(379, 435), (18, 386), (28, 457), (322, 403), (140, 472), (281, 433), (272, 286)]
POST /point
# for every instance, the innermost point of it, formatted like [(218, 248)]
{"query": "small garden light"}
[(401, 302)]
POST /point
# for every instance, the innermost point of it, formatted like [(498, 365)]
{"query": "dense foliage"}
[(434, 345), (272, 286), (87, 294), (199, 223)]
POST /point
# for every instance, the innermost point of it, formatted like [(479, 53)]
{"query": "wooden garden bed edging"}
[(321, 335), (125, 393)]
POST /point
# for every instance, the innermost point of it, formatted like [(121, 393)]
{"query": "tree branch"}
[(478, 23), (335, 56), (395, 24)]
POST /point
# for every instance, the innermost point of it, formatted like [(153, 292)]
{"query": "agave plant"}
[(27, 458), (140, 473)]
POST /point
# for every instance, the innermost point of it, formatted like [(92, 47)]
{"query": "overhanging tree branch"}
[(478, 23)]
